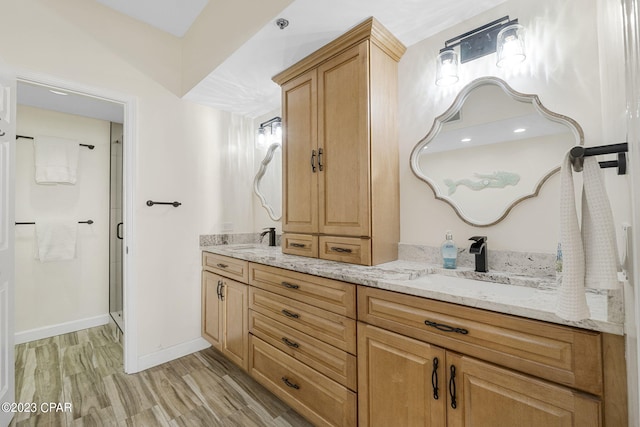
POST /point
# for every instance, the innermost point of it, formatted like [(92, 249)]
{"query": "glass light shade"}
[(262, 139), (447, 68), (510, 45), (277, 130)]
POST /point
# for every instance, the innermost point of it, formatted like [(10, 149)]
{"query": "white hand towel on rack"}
[(598, 232), (589, 255), (56, 240), (572, 301), (56, 160)]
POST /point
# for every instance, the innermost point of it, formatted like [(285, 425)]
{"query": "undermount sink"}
[(471, 286)]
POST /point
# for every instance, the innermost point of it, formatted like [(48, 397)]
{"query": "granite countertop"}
[(530, 297)]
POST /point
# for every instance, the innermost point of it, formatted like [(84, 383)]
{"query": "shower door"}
[(116, 228)]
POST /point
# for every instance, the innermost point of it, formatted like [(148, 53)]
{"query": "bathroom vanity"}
[(403, 344)]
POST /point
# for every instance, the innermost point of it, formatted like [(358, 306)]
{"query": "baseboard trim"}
[(60, 328), (171, 353)]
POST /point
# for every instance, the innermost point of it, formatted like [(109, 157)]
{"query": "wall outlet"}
[(227, 227)]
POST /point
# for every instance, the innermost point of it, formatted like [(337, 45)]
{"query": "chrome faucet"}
[(271, 231), (479, 249)]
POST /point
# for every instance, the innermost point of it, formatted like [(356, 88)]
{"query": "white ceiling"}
[(242, 83), (41, 96), (173, 16)]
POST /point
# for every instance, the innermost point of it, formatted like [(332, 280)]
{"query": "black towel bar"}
[(89, 221), (174, 204), (90, 147), (578, 153)]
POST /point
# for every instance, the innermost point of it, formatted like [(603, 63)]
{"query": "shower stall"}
[(116, 227)]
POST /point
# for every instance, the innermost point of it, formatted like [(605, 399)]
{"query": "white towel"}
[(589, 255), (598, 232), (56, 240), (56, 160)]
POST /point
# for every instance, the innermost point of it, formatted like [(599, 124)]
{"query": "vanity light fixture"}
[(272, 127), (504, 36)]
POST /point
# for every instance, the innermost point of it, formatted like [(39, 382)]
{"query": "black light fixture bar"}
[(480, 41), (270, 122)]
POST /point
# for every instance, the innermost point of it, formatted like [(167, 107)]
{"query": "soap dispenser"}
[(449, 252)]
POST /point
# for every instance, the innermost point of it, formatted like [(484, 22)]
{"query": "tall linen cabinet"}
[(340, 149)]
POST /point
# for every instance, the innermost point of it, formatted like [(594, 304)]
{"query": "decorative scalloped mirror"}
[(493, 148), (268, 182)]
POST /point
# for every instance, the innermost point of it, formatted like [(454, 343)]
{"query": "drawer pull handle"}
[(218, 289), (290, 384), (290, 314), (341, 250), (222, 265), (221, 289), (290, 285), (313, 161), (446, 328), (452, 387), (290, 343), (434, 378), (320, 165), (297, 245)]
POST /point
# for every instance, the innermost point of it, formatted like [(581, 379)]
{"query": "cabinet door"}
[(300, 155), (486, 395), (212, 309), (401, 381), (343, 138), (235, 300)]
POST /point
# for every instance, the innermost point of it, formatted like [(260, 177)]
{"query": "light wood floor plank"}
[(85, 368)]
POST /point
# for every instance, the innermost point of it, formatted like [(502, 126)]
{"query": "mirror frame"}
[(455, 108), (256, 182)]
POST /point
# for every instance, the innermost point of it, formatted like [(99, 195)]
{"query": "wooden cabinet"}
[(303, 342), (340, 149), (225, 311), (411, 383), (486, 369)]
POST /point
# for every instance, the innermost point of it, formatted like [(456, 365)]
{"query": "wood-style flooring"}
[(85, 369)]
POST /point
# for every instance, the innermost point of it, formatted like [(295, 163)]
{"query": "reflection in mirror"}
[(268, 182), (493, 148)]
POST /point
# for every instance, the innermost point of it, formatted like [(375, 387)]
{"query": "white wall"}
[(563, 67), (181, 152), (53, 293), (576, 66)]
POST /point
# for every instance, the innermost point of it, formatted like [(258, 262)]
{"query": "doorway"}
[(116, 110)]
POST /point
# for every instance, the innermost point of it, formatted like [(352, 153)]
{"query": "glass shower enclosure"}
[(116, 228)]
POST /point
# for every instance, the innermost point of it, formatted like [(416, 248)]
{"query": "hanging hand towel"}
[(56, 240), (56, 160), (598, 232), (572, 301)]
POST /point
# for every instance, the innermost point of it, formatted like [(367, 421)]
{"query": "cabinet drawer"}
[(316, 397), (339, 331), (338, 365), (561, 354), (332, 295), (300, 244), (232, 268), (346, 249)]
